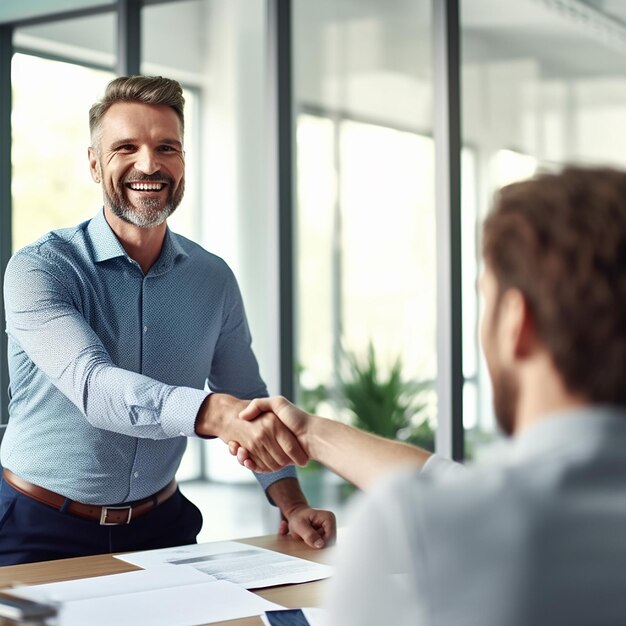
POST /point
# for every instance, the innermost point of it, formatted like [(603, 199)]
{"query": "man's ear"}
[(517, 325), (94, 165)]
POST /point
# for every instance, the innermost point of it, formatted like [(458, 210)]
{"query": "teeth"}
[(146, 186)]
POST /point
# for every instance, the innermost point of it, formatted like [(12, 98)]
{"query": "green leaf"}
[(384, 405)]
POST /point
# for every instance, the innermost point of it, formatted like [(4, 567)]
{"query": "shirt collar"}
[(171, 251), (581, 430), (106, 245)]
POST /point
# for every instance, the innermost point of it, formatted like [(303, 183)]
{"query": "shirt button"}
[(136, 474), (145, 329)]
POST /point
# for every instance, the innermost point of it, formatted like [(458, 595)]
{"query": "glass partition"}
[(541, 86), (365, 214)]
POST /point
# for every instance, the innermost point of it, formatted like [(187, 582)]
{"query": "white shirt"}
[(536, 538)]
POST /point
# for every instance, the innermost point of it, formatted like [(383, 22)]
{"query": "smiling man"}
[(115, 327)]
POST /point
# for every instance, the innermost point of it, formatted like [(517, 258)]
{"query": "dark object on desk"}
[(290, 617), (23, 611)]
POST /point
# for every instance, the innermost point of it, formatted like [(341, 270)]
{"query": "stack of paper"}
[(183, 586), (162, 596)]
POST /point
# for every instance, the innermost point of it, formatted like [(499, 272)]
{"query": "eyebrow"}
[(170, 142)]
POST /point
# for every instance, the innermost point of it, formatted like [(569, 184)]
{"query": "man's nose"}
[(147, 161)]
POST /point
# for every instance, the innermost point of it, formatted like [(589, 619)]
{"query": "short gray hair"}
[(142, 89)]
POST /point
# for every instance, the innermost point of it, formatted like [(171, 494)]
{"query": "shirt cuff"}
[(267, 480), (180, 410)]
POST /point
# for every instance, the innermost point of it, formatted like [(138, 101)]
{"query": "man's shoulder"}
[(506, 496), (201, 256), (55, 245), (452, 493)]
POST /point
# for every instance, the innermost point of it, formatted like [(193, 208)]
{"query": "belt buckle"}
[(105, 512)]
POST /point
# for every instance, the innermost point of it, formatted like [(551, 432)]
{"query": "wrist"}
[(287, 496), (313, 436), (212, 416)]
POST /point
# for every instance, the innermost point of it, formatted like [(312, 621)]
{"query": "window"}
[(365, 218), (52, 187), (541, 87)]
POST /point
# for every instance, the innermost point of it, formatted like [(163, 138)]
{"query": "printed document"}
[(245, 565)]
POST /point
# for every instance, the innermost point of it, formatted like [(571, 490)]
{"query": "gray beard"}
[(148, 215)]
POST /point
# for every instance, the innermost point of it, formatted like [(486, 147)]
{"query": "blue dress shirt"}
[(108, 366)]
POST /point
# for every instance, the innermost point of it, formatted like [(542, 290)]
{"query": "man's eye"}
[(167, 149), (127, 147)]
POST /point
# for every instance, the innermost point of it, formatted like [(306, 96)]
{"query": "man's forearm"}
[(359, 457)]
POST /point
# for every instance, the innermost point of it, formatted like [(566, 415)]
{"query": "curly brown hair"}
[(561, 240), (143, 89)]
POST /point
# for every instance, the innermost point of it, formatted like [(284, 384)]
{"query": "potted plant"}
[(383, 404), (387, 405)]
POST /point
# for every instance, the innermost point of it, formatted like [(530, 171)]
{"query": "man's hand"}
[(317, 528), (296, 420), (270, 443)]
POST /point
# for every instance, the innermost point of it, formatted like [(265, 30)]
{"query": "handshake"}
[(265, 434), (268, 434)]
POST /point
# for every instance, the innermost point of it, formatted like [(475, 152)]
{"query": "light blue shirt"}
[(108, 366)]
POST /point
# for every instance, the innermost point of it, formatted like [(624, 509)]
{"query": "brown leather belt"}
[(106, 515)]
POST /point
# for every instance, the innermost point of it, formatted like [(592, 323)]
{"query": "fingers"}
[(243, 456), (283, 527), (308, 534), (240, 452), (315, 527), (262, 441), (245, 459), (264, 405), (268, 443), (255, 408), (329, 527), (252, 466), (291, 446)]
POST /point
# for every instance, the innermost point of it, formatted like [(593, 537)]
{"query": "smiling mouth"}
[(138, 186)]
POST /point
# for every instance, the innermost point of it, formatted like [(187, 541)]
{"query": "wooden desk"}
[(292, 596)]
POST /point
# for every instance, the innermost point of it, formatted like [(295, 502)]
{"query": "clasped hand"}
[(271, 443), (290, 418)]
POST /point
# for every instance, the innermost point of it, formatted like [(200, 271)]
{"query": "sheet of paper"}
[(188, 605), (245, 565), (114, 584)]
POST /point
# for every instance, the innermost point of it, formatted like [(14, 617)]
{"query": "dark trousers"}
[(31, 531)]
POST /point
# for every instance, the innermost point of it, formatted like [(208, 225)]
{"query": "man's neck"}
[(542, 392), (143, 245)]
